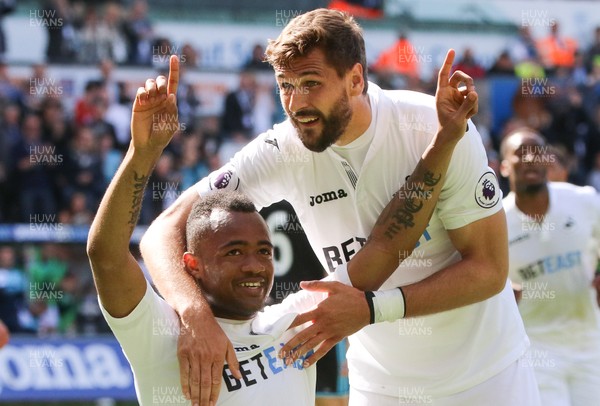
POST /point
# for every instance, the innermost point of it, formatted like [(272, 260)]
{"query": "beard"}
[(531, 189), (534, 189), (333, 126)]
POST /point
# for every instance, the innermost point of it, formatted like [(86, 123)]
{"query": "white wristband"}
[(388, 305)]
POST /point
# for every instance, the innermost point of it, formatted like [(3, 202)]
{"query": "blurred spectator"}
[(118, 113), (8, 88), (256, 61), (594, 84), (35, 160), (13, 285), (4, 334), (190, 57), (110, 156), (570, 125), (469, 65), (399, 59), (188, 101), (161, 53), (239, 107), (232, 144), (556, 50), (89, 318), (139, 34), (93, 37), (359, 8), (107, 67), (46, 265), (78, 213), (39, 86), (10, 135), (62, 39), (164, 186), (524, 47), (98, 123), (592, 55), (528, 112), (6, 7), (82, 170), (525, 56), (503, 65), (211, 133), (529, 68), (68, 305), (193, 165), (579, 73), (113, 20), (100, 35), (41, 317), (265, 109), (57, 128), (84, 105), (594, 175)]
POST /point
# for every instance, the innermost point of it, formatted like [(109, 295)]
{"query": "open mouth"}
[(307, 120), (251, 285)]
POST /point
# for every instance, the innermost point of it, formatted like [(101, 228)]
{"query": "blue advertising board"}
[(64, 369)]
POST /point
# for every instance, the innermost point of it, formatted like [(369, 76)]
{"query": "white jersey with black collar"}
[(338, 206), (148, 337)]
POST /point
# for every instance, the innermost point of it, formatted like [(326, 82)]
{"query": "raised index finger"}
[(444, 74), (173, 75)]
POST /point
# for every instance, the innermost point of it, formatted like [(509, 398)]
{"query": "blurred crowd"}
[(554, 85), (56, 160)]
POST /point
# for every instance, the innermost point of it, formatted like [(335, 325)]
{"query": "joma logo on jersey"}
[(327, 197)]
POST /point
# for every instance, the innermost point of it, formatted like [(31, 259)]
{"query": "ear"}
[(193, 265), (357, 83), (504, 168)]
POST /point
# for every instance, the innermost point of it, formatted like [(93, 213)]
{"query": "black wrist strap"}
[(369, 296), (403, 300)]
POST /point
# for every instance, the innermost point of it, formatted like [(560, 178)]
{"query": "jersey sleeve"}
[(299, 302), (151, 328), (256, 170), (471, 191)]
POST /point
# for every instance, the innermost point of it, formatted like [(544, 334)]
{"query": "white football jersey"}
[(338, 206), (148, 337), (552, 261)]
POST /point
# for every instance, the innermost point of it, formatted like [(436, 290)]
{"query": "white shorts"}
[(567, 379), (515, 386)]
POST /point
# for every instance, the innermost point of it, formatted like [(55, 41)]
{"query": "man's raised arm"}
[(403, 220), (120, 282), (203, 347)]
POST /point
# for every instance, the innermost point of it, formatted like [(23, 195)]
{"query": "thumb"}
[(232, 361)]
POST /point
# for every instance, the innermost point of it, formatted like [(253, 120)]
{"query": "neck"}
[(226, 314), (533, 203), (360, 121)]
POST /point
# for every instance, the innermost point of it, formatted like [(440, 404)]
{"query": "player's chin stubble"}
[(333, 126)]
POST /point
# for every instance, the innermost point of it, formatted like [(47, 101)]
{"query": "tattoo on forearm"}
[(430, 180), (401, 214), (138, 193)]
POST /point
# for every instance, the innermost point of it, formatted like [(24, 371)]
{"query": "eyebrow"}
[(245, 243), (304, 73)]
